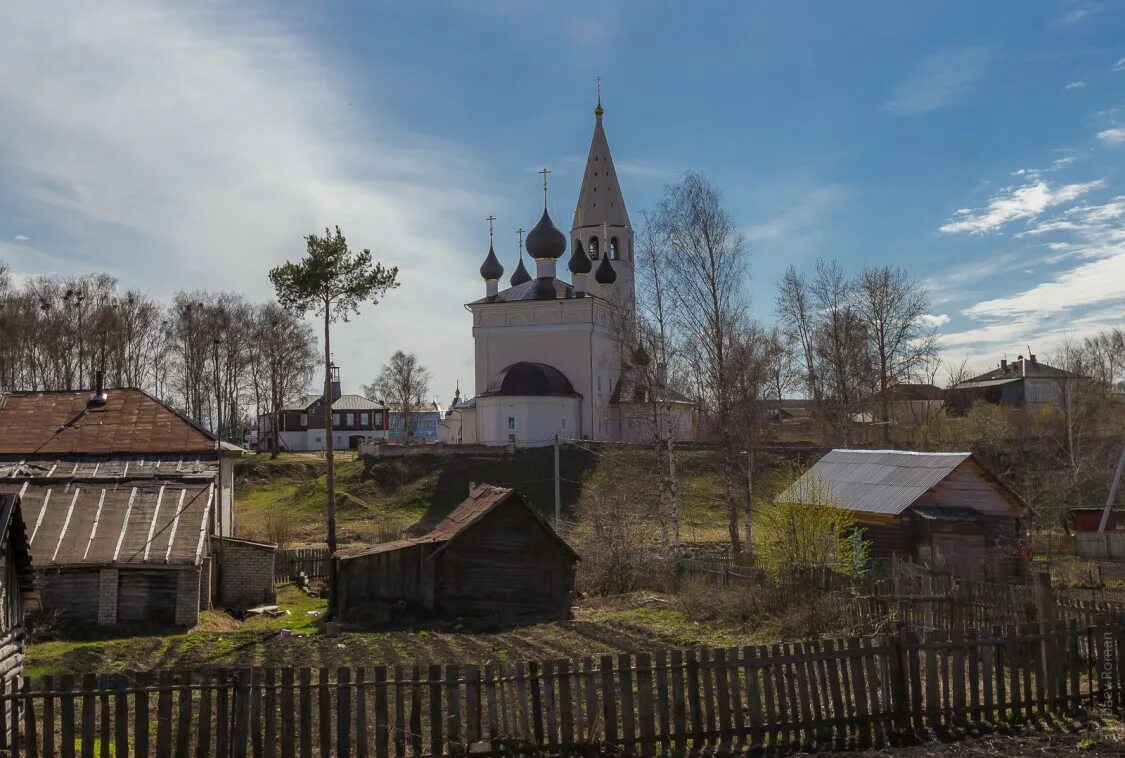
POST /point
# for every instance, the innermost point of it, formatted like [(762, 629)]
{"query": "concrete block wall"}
[(246, 572)]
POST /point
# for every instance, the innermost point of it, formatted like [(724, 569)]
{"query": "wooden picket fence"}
[(851, 692), (313, 561)]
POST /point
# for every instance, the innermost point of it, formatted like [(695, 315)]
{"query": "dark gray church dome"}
[(605, 273), (545, 240), (528, 378), (491, 268)]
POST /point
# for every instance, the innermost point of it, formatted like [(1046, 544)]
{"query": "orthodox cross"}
[(490, 219), (599, 89), (520, 233), (545, 172)]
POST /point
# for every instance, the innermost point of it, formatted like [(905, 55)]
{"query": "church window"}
[(613, 250), (511, 422), (593, 247), (563, 423)]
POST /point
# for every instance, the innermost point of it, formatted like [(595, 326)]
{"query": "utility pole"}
[(558, 498)]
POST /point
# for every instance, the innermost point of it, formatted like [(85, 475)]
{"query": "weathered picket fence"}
[(849, 692), (313, 561)]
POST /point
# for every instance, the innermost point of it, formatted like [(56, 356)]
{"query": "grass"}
[(379, 499), (636, 623)]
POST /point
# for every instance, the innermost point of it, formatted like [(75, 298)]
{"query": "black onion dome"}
[(520, 275), (491, 268), (545, 240), (605, 273), (579, 262)]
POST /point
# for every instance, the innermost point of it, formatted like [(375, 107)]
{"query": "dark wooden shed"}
[(945, 510), (493, 557), (17, 586)]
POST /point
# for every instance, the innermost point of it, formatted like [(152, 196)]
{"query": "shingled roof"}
[(65, 423), (483, 499)]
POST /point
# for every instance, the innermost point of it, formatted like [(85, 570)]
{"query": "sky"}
[(981, 146)]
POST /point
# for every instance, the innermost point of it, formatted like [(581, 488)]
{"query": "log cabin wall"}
[(122, 596), (386, 576), (508, 565)]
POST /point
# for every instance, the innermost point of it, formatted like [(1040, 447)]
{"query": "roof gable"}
[(64, 423)]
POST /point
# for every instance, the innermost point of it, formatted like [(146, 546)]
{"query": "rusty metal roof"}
[(481, 501), (872, 481), (139, 524), (63, 423)]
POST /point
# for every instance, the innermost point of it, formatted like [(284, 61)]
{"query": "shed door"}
[(959, 554)]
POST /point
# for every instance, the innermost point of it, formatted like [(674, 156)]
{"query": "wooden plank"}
[(1075, 661), (66, 714), (163, 714), (663, 701), (416, 710), (304, 704), (859, 691), (722, 695), (1028, 658), (140, 715), (763, 658), (550, 707), (400, 712), (289, 716), (933, 692), (753, 698), (679, 704), (490, 701), (628, 718), (646, 718), (787, 667), (453, 709), (324, 711), (836, 692), (382, 719), (1013, 654), (437, 741), (998, 647), (343, 712), (240, 734), (914, 659), (694, 700), (270, 711), (255, 693), (804, 701), (30, 736), (590, 732), (523, 704), (105, 723), (734, 683), (566, 703), (609, 700), (874, 688), (203, 739)]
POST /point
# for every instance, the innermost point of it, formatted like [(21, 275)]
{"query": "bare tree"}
[(403, 384), (839, 338), (892, 307), (283, 358), (708, 260)]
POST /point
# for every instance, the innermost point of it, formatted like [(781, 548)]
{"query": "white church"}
[(554, 357)]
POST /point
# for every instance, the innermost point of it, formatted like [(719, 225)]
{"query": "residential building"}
[(1022, 383), (355, 420), (123, 496), (423, 426)]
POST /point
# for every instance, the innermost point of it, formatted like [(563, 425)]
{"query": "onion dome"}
[(545, 240), (579, 262), (520, 275), (605, 273), (491, 269)]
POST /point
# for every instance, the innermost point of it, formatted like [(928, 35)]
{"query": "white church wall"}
[(531, 420)]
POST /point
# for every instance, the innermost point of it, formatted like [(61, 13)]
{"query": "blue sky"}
[(979, 145)]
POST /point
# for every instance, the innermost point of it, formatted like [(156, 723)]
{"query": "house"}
[(424, 426), (17, 586), (122, 496), (355, 420), (945, 510), (493, 557), (1025, 382), (911, 404)]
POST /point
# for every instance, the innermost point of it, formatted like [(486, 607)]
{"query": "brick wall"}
[(245, 572)]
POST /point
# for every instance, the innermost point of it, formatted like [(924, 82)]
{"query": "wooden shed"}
[(17, 586), (493, 557), (945, 510)]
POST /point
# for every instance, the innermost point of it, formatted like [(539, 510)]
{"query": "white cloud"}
[(938, 80), (1075, 85), (21, 238), (940, 319), (193, 145), (1013, 204), (1075, 15), (1115, 136), (1119, 65)]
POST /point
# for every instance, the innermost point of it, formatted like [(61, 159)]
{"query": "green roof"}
[(356, 403)]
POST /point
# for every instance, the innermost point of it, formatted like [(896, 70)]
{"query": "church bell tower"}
[(601, 223)]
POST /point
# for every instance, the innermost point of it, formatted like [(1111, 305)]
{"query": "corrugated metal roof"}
[(148, 523), (356, 403), (872, 481), (62, 423), (100, 467)]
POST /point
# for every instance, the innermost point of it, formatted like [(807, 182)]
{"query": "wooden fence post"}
[(900, 704)]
